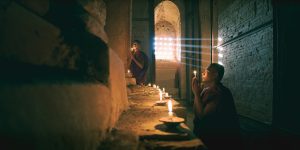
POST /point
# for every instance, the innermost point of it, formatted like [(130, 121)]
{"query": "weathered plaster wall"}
[(117, 87), (61, 87), (54, 115), (118, 28), (96, 21)]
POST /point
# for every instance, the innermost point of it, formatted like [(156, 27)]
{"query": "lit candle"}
[(167, 94), (128, 71), (160, 95), (149, 84), (195, 73), (170, 108), (163, 90), (158, 87), (154, 85)]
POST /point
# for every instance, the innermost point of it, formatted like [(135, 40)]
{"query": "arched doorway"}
[(167, 26)]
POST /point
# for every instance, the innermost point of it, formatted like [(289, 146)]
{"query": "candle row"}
[(161, 92)]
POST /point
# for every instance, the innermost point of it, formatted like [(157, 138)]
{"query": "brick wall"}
[(247, 31)]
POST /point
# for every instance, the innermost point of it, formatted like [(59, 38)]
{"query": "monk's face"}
[(135, 46), (209, 75)]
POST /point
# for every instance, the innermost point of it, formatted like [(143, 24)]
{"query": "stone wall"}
[(118, 26), (117, 86), (205, 29), (246, 28), (61, 87), (97, 15), (54, 115)]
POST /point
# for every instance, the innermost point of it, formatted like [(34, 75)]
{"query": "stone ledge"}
[(56, 116), (142, 118)]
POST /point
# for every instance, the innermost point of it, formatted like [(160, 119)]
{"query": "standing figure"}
[(216, 121), (139, 62)]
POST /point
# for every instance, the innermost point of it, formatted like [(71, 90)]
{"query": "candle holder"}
[(128, 74), (160, 103), (167, 96), (171, 121)]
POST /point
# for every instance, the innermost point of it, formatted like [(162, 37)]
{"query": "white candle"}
[(167, 94), (160, 95), (154, 85), (149, 84), (195, 73), (157, 87), (163, 90), (170, 108)]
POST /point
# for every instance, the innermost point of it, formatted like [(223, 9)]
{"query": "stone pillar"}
[(118, 27)]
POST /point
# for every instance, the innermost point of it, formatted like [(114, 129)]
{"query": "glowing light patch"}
[(220, 48), (221, 63), (170, 106), (220, 39), (166, 48)]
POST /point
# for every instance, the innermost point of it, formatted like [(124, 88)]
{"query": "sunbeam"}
[(195, 59), (192, 52), (186, 39)]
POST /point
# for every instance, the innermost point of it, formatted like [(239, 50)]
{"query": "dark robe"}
[(139, 73), (220, 129)]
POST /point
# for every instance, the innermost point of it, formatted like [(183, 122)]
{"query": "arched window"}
[(167, 31)]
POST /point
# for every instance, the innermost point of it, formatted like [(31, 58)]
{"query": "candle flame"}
[(170, 106), (128, 71), (160, 95), (195, 73)]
